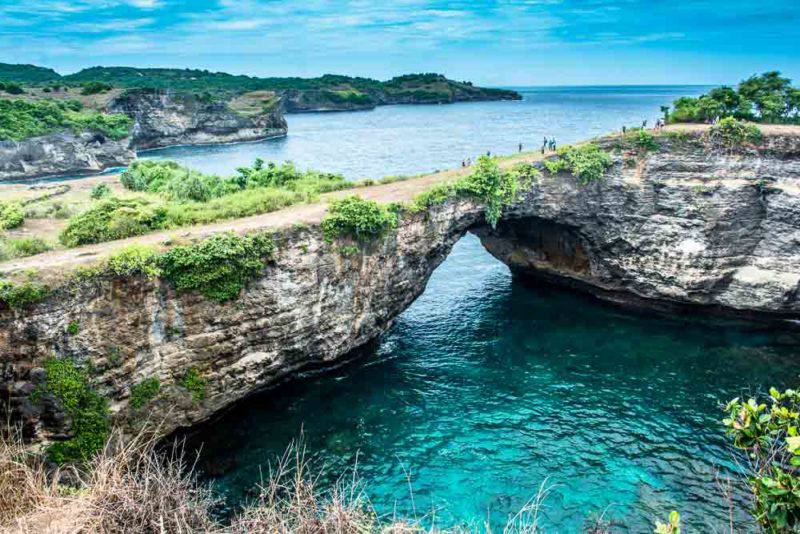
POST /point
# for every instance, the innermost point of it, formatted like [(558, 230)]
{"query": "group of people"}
[(548, 144), (660, 123)]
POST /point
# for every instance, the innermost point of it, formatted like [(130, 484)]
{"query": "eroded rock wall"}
[(62, 153), (165, 118), (689, 224), (311, 307)]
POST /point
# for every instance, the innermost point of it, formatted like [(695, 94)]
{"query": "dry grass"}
[(136, 487)]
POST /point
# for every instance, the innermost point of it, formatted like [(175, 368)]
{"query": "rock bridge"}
[(681, 227)]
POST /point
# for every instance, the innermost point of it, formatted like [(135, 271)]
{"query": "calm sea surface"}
[(485, 388)]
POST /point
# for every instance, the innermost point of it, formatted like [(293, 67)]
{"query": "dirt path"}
[(401, 191)]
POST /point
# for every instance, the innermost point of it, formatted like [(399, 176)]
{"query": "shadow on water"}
[(485, 387)]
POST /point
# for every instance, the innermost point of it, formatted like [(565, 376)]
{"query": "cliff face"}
[(310, 309), (62, 153), (165, 118), (687, 226)]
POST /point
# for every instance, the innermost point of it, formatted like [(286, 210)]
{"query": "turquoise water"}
[(485, 388)]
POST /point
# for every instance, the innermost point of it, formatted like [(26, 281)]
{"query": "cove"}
[(486, 387)]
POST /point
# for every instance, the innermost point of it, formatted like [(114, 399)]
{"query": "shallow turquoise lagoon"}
[(485, 388)]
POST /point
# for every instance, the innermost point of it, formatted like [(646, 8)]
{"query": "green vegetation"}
[(356, 218), (195, 384), (766, 98), (135, 260), (11, 248), (218, 267), (93, 88), (144, 392), (333, 88), (12, 88), (18, 296), (732, 133), (179, 197), (73, 328), (111, 219), (86, 409), (100, 191), (21, 120), (27, 73), (11, 215), (673, 526), (488, 183), (645, 141), (182, 184), (587, 163), (767, 432)]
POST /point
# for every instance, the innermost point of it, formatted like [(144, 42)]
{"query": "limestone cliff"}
[(165, 118), (62, 153), (688, 226)]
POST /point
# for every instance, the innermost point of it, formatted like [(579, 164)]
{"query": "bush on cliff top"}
[(183, 184), (11, 215), (218, 267), (111, 219), (358, 219), (732, 133), (488, 183), (587, 163), (17, 296), (20, 120)]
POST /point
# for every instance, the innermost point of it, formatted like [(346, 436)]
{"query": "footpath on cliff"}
[(299, 214)]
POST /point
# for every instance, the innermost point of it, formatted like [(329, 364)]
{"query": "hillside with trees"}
[(328, 92)]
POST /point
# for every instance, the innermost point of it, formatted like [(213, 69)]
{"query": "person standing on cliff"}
[(520, 147)]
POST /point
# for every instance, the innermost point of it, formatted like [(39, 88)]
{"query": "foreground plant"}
[(768, 433)]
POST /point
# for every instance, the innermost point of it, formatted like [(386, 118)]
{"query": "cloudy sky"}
[(500, 42)]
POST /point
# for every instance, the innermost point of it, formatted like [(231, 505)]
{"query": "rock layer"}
[(62, 153), (165, 118), (689, 225)]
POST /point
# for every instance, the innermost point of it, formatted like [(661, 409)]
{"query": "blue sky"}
[(501, 42)]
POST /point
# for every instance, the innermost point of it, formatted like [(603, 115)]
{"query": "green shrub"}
[(93, 88), (86, 409), (144, 392), (767, 431), (732, 133), (12, 88), (491, 185), (357, 218), (587, 163), (182, 184), (645, 141), (22, 247), (438, 194), (135, 260), (21, 120), (100, 191), (73, 328), (111, 219), (18, 296), (11, 215), (195, 384), (218, 267)]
